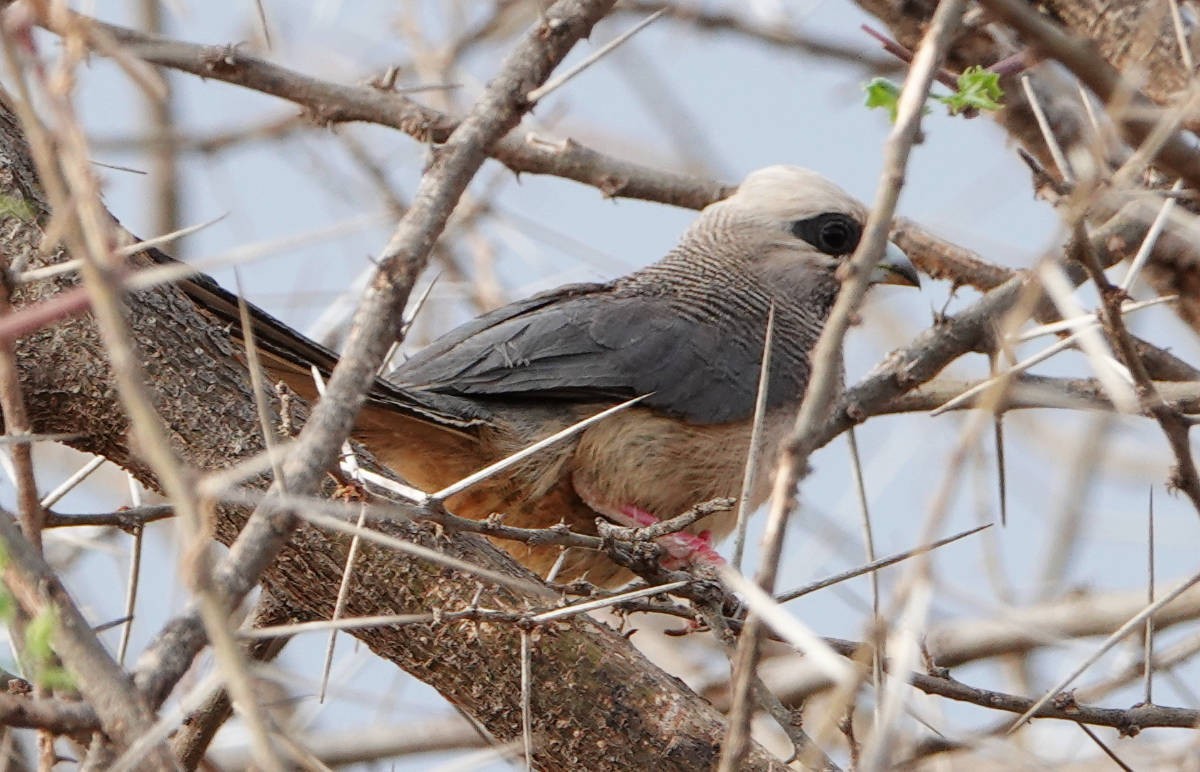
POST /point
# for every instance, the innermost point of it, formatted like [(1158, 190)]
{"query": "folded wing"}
[(589, 343)]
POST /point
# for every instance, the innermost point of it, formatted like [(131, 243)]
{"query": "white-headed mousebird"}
[(686, 333)]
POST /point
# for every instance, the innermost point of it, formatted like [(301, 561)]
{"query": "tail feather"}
[(289, 356)]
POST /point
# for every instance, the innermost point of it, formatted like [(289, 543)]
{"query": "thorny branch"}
[(1174, 426), (378, 318), (330, 103), (881, 392), (1138, 118), (826, 357), (163, 663), (72, 717)]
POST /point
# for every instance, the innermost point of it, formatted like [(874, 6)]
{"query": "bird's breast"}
[(665, 466)]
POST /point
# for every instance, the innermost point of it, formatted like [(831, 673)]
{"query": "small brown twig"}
[(331, 103), (664, 527), (826, 357), (778, 36), (901, 52), (16, 423), (55, 715), (125, 519), (1185, 476)]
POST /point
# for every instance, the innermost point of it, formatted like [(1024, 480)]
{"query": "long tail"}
[(289, 355)]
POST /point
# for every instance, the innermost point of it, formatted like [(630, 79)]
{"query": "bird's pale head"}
[(791, 218)]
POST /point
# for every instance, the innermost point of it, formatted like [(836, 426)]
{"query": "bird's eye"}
[(834, 233), (834, 236)]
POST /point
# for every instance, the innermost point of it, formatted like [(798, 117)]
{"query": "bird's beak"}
[(895, 268)]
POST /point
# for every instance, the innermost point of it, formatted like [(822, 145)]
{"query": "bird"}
[(685, 334)]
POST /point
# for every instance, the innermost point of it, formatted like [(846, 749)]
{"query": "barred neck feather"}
[(710, 281)]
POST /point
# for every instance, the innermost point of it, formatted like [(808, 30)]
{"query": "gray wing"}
[(588, 343)]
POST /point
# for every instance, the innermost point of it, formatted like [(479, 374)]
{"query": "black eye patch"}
[(834, 233)]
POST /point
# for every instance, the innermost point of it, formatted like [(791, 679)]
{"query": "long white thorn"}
[(752, 456), (1063, 325), (1112, 375), (1156, 229), (1016, 369), (542, 91), (792, 629), (537, 447)]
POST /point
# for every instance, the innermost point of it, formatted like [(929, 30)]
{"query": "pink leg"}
[(682, 549)]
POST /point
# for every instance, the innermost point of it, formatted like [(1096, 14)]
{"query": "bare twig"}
[(334, 103), (875, 565), (1184, 475), (826, 356), (200, 727), (1148, 644), (125, 519), (776, 35), (542, 91), (59, 716), (134, 575), (379, 315), (1132, 624)]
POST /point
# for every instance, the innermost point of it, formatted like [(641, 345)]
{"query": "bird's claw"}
[(689, 549), (680, 549)]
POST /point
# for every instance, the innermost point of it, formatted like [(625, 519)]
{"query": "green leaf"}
[(882, 93), (55, 678), (39, 649), (8, 604), (16, 207), (38, 633), (978, 89)]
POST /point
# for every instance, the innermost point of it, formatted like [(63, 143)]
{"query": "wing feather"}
[(588, 342)]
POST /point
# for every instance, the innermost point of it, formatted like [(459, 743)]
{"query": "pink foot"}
[(682, 549)]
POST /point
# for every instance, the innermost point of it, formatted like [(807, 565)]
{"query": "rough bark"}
[(1138, 38)]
